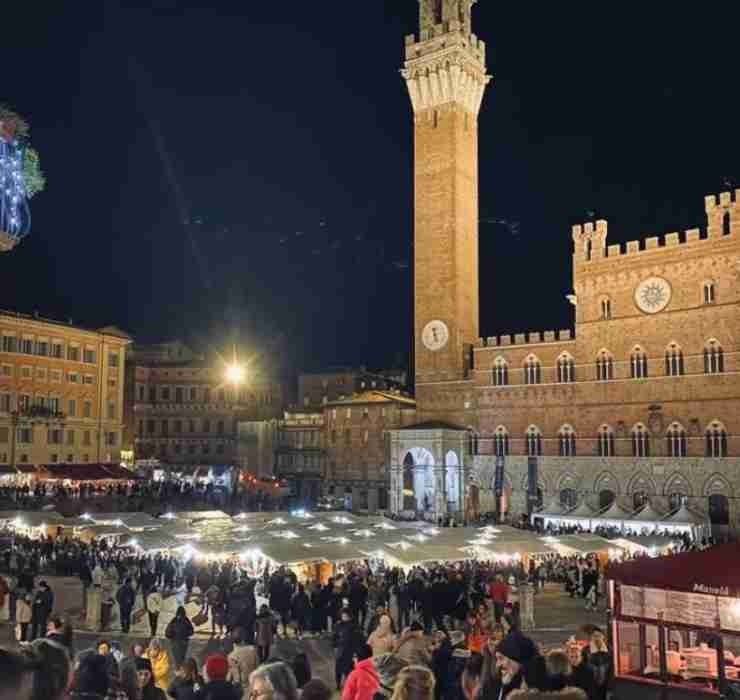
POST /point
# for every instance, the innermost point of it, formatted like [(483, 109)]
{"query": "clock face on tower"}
[(652, 295), (435, 335)]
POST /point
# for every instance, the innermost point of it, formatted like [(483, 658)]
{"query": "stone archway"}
[(418, 479)]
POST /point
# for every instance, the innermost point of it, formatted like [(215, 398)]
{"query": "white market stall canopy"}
[(582, 512), (613, 514), (133, 521), (648, 514)]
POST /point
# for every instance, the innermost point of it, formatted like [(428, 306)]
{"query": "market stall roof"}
[(31, 518), (153, 541), (85, 472), (106, 530), (714, 571), (684, 516), (555, 507), (613, 512), (583, 510), (132, 521), (286, 552), (647, 514), (646, 541), (581, 543), (410, 554), (194, 515)]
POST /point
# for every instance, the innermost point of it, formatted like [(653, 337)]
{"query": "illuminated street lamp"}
[(235, 374)]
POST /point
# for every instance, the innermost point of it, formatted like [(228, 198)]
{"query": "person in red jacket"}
[(499, 591), (374, 675)]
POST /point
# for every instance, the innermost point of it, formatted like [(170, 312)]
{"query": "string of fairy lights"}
[(15, 215)]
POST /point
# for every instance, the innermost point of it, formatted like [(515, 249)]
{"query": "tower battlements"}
[(444, 37), (723, 220)]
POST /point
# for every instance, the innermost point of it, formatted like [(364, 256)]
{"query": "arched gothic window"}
[(568, 498), (676, 445), (567, 441), (566, 369), (501, 442), (532, 371), (605, 442), (709, 292), (640, 441), (639, 499), (534, 441), (500, 372), (716, 439), (714, 360), (674, 361), (604, 366), (638, 363)]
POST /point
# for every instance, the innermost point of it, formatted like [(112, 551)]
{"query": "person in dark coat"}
[(187, 682), (178, 631), (346, 639), (43, 604), (126, 597), (442, 666), (300, 608), (358, 601), (264, 633)]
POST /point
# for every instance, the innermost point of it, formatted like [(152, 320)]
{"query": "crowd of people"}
[(135, 495), (469, 648), (459, 621)]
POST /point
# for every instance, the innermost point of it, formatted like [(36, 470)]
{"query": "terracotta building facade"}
[(182, 408), (639, 402), (61, 392)]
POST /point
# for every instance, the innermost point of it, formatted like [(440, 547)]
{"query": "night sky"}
[(242, 171)]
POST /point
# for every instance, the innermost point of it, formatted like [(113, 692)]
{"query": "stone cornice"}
[(450, 72)]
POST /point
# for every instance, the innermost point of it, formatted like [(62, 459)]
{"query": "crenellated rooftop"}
[(520, 339), (723, 221)]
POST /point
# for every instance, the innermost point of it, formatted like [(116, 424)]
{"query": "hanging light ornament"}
[(20, 179)]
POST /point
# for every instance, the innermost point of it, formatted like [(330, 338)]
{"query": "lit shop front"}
[(676, 625)]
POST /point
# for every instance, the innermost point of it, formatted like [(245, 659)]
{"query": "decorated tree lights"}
[(20, 178)]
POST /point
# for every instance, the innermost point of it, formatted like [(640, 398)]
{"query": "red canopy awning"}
[(85, 472), (715, 571)]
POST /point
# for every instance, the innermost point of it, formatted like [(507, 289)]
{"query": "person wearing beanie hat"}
[(217, 666), (516, 654), (216, 686), (149, 691)]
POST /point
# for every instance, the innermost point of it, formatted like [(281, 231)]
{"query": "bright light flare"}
[(235, 374)]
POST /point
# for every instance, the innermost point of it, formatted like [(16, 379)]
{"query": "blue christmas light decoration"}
[(15, 215)]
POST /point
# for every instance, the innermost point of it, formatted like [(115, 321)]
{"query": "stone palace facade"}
[(640, 403)]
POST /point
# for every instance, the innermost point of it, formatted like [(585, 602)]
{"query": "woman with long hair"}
[(382, 640), (414, 683)]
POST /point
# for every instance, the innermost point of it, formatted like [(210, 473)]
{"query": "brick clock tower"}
[(445, 71)]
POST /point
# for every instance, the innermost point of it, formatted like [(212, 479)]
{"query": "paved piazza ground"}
[(557, 616)]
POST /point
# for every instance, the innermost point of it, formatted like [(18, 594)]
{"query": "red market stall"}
[(676, 624)]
